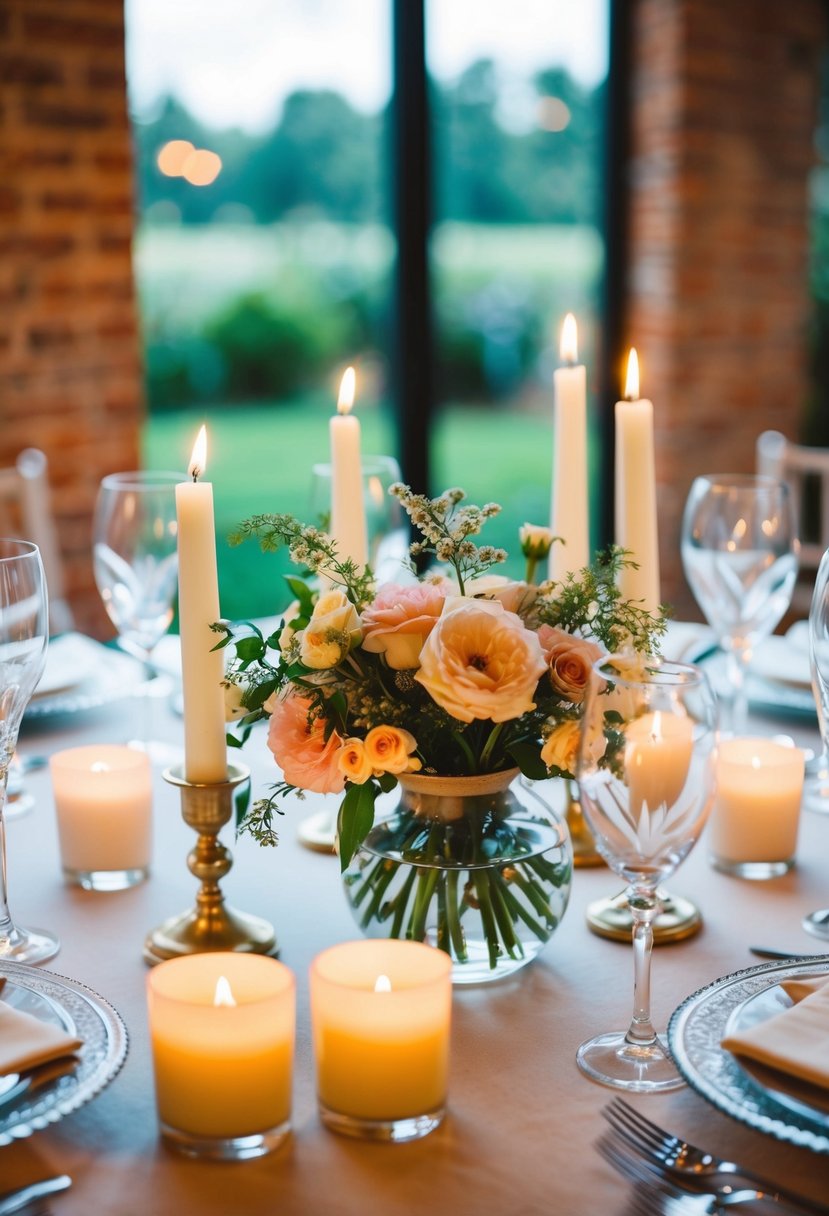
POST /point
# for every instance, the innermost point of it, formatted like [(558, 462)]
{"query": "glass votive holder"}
[(222, 1029), (380, 1017), (104, 804), (754, 823)]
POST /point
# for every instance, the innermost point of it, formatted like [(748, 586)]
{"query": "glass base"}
[(611, 1060), (225, 1148), (678, 918), (391, 1130), (319, 832), (758, 871), (28, 945), (817, 923), (106, 880)]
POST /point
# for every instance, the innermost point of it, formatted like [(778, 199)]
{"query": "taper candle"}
[(348, 512), (569, 517), (636, 526)]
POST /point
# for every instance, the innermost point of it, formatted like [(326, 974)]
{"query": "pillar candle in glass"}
[(753, 830), (658, 748), (222, 1032), (103, 802), (380, 1015)]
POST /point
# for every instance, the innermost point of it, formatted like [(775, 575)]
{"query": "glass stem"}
[(644, 907), (737, 665), (6, 926)]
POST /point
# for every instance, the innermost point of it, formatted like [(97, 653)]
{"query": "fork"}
[(691, 1164), (675, 1199)]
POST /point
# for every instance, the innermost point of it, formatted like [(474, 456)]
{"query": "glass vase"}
[(478, 866)]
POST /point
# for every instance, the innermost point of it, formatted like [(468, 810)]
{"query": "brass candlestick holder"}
[(584, 846), (210, 925)]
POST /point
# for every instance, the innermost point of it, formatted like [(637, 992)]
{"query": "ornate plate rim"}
[(777, 1121), (52, 1104)]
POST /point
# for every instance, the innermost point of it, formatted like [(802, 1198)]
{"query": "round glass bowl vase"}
[(478, 866)]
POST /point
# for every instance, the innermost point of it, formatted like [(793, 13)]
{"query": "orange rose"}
[(389, 749), (308, 760), (399, 622), (570, 661)]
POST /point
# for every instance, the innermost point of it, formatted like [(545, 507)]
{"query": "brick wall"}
[(724, 115), (70, 379)]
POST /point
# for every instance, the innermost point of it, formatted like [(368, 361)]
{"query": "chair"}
[(806, 470), (26, 511)]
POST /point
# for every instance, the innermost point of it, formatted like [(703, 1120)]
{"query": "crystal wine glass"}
[(740, 553), (388, 540), (817, 923), (24, 634), (646, 776), (136, 569)]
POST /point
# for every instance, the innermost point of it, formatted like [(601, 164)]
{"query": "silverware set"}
[(674, 1178), (31, 1197)]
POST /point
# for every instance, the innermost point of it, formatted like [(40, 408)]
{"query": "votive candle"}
[(222, 1028), (380, 1014), (756, 813), (103, 803)]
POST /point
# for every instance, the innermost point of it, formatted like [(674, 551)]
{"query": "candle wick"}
[(196, 474)]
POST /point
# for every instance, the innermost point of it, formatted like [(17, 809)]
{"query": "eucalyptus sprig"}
[(310, 547), (446, 527)]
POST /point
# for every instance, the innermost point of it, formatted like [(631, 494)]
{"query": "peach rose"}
[(561, 747), (389, 750), (399, 621), (480, 661), (333, 629), (570, 661), (308, 760), (353, 762)]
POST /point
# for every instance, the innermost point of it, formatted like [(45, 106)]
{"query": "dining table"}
[(519, 1136)]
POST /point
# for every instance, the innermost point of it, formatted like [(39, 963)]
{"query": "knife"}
[(15, 1201), (767, 952)]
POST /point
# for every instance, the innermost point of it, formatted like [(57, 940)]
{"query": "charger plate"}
[(43, 1096), (769, 1101)]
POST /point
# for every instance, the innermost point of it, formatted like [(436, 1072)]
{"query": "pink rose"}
[(300, 748), (399, 621), (570, 661), (480, 661)]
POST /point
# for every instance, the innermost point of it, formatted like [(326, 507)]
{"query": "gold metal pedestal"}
[(678, 919), (210, 925), (584, 847)]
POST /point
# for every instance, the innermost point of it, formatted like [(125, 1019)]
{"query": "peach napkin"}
[(795, 1041), (25, 1041)]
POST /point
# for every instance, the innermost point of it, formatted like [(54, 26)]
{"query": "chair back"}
[(26, 511), (806, 470)]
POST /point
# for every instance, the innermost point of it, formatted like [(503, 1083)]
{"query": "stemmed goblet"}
[(817, 923), (136, 569), (24, 635), (740, 553), (646, 777)]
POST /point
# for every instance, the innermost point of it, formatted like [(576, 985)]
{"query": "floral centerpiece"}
[(455, 674)]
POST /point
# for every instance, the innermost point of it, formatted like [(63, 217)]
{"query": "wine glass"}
[(817, 923), (24, 634), (740, 553), (646, 777), (388, 539), (136, 570)]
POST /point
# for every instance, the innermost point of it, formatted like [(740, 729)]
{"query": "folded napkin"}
[(25, 1041), (795, 1041)]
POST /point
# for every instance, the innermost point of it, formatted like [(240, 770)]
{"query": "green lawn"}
[(260, 460)]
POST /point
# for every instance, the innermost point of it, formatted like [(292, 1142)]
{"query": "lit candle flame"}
[(198, 460), (99, 766), (569, 345), (346, 397), (632, 381), (223, 994), (382, 984)]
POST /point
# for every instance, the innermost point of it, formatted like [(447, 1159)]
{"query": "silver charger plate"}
[(45, 1095), (110, 676), (769, 1101)]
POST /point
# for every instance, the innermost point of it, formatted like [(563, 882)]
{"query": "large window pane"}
[(263, 253), (517, 243)]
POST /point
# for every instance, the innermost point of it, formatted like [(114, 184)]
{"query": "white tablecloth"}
[(519, 1136)]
